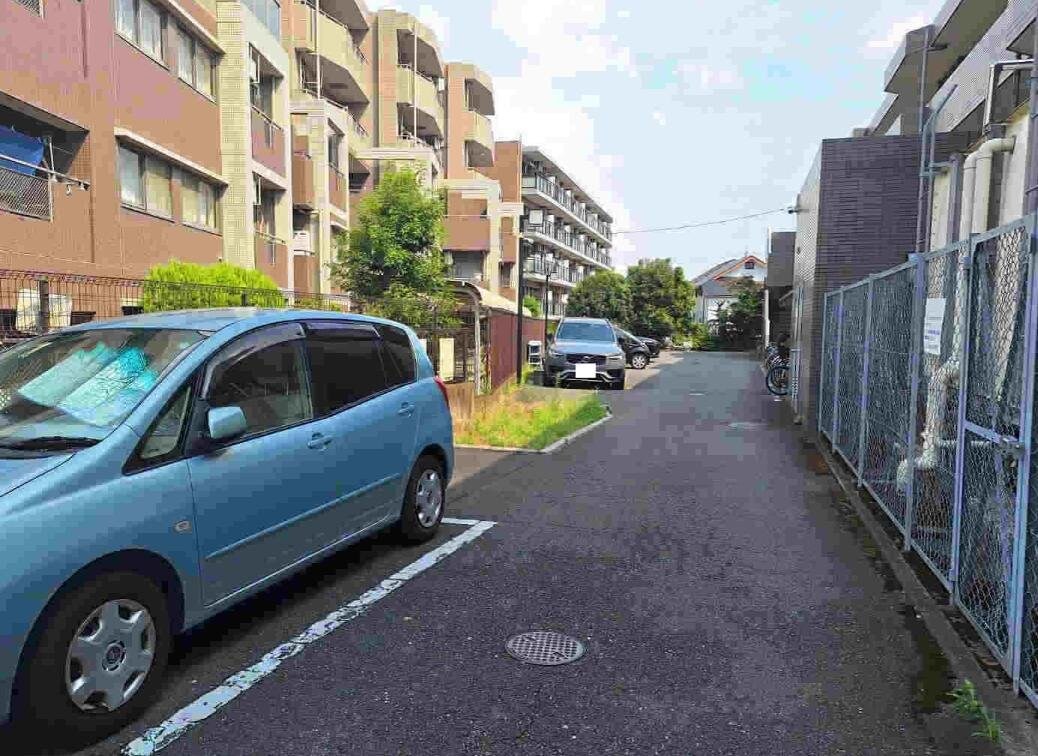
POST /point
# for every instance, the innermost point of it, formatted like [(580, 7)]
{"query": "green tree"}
[(392, 261), (187, 286), (662, 299), (741, 321), (532, 304), (395, 240), (603, 294)]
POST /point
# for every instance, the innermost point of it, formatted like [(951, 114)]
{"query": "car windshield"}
[(585, 332), (73, 389)]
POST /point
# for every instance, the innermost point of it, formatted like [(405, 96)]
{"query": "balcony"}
[(304, 271), (24, 193), (467, 234), (302, 174), (272, 257), (338, 189), (268, 142), (346, 73), (563, 276), (567, 241), (414, 88), (557, 198), (479, 140)]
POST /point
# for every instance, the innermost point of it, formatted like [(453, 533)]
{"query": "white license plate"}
[(585, 370)]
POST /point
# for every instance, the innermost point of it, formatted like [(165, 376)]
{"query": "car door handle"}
[(406, 409), (319, 441)]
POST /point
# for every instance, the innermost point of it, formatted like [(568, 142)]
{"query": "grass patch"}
[(529, 425), (968, 706)]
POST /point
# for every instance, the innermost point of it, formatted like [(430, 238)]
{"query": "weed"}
[(968, 706), (534, 425)]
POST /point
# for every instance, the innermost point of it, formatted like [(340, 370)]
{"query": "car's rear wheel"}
[(98, 659), (424, 501), (639, 361)]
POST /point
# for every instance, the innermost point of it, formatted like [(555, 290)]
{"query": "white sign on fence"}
[(933, 325)]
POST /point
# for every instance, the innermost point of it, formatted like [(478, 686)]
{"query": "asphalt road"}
[(727, 599)]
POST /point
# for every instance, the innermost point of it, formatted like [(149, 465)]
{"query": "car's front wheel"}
[(639, 361), (424, 501), (98, 659)]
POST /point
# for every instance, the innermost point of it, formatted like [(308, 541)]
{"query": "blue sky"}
[(680, 111)]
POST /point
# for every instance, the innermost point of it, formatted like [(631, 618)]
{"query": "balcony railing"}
[(568, 239), (558, 194), (272, 257), (268, 12), (25, 194), (268, 142), (549, 270), (338, 188)]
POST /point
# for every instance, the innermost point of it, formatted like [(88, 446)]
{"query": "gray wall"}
[(858, 217)]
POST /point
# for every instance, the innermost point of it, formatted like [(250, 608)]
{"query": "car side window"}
[(398, 356), (268, 383), (345, 366), (164, 440)]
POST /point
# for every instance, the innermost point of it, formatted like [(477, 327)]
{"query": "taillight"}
[(443, 390)]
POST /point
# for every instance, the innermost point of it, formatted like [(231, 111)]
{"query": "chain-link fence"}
[(927, 391)]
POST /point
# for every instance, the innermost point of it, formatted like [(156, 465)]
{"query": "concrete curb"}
[(1015, 715), (551, 449)]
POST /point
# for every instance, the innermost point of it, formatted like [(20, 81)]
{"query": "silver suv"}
[(585, 350)]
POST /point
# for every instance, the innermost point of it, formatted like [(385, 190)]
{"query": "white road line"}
[(157, 738)]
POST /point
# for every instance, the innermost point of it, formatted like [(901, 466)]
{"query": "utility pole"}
[(519, 321), (767, 294)]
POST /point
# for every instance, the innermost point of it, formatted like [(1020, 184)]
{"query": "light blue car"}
[(157, 469)]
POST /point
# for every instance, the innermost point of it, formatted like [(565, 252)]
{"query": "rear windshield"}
[(585, 332), (83, 384)]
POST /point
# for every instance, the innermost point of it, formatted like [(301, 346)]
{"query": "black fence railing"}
[(33, 303)]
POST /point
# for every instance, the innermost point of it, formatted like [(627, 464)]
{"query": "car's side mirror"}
[(226, 423)]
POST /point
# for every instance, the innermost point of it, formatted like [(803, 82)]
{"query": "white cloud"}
[(560, 41), (659, 117), (624, 13), (894, 35), (439, 23)]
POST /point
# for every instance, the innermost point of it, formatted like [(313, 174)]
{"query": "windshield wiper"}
[(49, 443)]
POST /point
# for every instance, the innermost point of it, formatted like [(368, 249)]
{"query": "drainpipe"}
[(1031, 189), (982, 180)]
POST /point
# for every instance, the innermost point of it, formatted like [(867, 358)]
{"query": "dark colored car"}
[(652, 344), (635, 350)]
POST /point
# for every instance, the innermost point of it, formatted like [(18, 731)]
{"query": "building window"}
[(142, 24), (750, 265), (198, 202), (145, 183), (194, 63)]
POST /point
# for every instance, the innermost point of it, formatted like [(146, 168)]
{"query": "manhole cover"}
[(544, 647)]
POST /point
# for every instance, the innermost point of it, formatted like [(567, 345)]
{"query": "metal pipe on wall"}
[(1031, 175)]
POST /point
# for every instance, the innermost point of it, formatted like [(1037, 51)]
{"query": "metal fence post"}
[(825, 346), (1023, 485), (836, 368), (965, 280), (915, 365), (43, 314), (863, 413)]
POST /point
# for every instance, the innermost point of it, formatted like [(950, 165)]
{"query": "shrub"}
[(532, 304), (189, 286)]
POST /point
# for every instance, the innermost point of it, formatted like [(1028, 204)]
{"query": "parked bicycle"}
[(776, 369)]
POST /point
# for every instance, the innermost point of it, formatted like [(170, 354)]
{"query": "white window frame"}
[(197, 50), (135, 37), (147, 206)]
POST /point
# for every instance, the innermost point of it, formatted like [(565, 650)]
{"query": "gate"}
[(994, 435), (927, 391)]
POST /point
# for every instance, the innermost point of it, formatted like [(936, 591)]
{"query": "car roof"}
[(216, 319), (585, 320)]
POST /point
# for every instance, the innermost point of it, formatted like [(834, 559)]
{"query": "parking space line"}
[(157, 738)]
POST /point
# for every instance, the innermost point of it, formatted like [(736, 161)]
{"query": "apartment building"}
[(332, 102), (975, 88), (110, 128), (565, 234)]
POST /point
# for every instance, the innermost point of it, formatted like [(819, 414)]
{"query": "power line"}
[(701, 225)]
